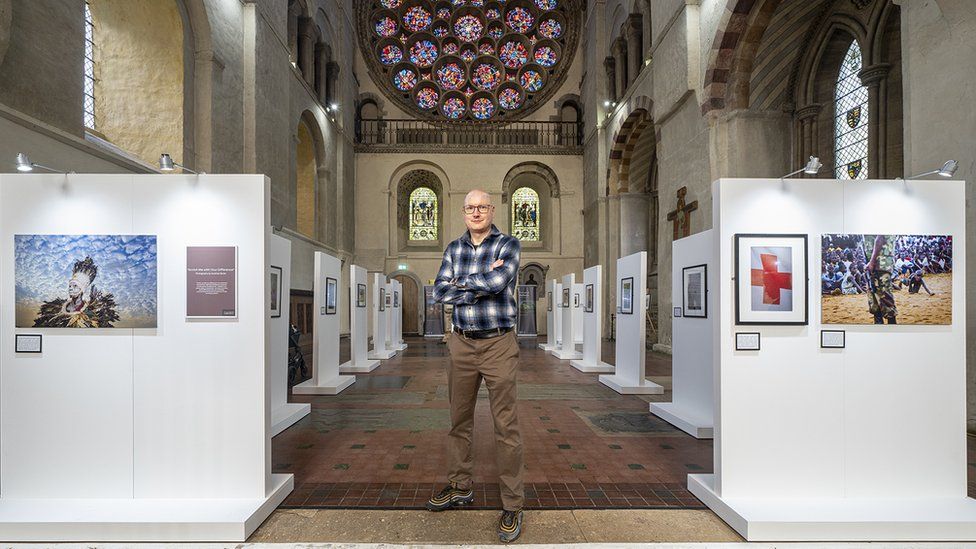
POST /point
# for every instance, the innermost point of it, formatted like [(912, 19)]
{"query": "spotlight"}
[(24, 164), (812, 168), (947, 170), (167, 164), (334, 106), (606, 103)]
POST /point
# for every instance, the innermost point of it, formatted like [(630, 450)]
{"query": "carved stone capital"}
[(810, 111), (875, 74), (619, 47), (610, 64), (634, 26)]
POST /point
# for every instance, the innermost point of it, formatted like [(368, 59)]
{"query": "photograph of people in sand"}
[(886, 279)]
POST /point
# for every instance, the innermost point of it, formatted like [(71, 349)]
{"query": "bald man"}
[(477, 276)]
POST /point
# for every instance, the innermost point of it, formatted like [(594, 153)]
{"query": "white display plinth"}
[(692, 359), (110, 434), (284, 414), (628, 376), (551, 313), (593, 326), (326, 379), (380, 349), (811, 443), (359, 363), (397, 342), (567, 348), (577, 313)]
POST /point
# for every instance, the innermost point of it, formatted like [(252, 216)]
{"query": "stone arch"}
[(419, 285), (625, 137), (531, 167), (310, 171), (541, 179), (405, 180)]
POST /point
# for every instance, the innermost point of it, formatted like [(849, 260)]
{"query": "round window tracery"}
[(469, 60)]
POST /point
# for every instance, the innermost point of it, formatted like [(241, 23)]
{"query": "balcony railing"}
[(404, 135)]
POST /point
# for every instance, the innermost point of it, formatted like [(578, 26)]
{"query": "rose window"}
[(469, 60)]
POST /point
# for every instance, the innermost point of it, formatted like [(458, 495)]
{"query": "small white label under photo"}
[(747, 341), (677, 312), (832, 339), (27, 343)]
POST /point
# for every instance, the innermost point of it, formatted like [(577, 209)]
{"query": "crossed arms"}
[(454, 288)]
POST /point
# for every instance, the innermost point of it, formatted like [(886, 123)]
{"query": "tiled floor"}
[(382, 442)]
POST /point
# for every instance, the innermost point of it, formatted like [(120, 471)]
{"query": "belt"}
[(481, 334)]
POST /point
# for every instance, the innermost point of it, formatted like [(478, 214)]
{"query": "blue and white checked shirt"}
[(482, 300)]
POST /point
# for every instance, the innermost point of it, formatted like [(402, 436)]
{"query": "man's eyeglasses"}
[(480, 208)]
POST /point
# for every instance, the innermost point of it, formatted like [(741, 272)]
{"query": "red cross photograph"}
[(772, 278)]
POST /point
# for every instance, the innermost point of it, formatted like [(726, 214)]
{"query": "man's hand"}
[(498, 263)]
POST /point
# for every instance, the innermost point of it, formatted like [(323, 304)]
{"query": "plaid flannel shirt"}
[(482, 299)]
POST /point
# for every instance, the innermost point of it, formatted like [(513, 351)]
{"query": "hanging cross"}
[(680, 217)]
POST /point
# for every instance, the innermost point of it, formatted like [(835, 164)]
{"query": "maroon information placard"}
[(211, 281)]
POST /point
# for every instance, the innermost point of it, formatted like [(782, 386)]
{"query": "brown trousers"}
[(496, 360)]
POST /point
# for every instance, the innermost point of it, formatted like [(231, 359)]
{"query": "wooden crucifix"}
[(681, 216)]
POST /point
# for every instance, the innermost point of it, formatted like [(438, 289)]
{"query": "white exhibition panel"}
[(284, 414), (358, 336), (567, 348), (557, 316), (593, 326), (551, 313), (806, 436), (390, 316), (577, 305), (692, 357), (381, 351), (116, 418), (325, 379), (628, 377), (398, 343)]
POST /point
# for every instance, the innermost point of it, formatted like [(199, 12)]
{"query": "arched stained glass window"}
[(89, 118), (525, 214), (423, 214), (851, 119)]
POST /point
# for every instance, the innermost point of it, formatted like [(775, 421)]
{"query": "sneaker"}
[(450, 496), (510, 526)]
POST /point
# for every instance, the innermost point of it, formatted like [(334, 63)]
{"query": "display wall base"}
[(399, 346), (287, 415), (332, 387), (593, 367), (384, 354), (546, 347), (841, 519), (526, 335), (687, 420), (627, 386), (130, 520), (364, 368), (566, 354)]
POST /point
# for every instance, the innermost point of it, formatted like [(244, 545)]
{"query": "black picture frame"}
[(331, 295), (20, 343), (565, 298), (276, 275), (627, 295), (576, 300), (694, 313), (804, 279), (396, 299), (739, 347), (361, 296), (843, 339), (588, 302), (549, 301), (382, 299)]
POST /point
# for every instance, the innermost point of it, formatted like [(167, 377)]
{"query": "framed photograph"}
[(331, 295), (897, 279), (27, 343), (275, 292), (382, 299), (396, 299), (676, 312), (361, 295), (627, 295), (549, 301), (694, 291), (588, 305), (770, 279), (576, 301), (565, 297), (747, 341), (833, 339)]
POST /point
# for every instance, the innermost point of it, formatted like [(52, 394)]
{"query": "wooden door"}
[(408, 304)]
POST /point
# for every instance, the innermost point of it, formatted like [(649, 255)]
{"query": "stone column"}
[(634, 208), (620, 56), (306, 49), (875, 78), (807, 137), (610, 65), (635, 43), (332, 82), (293, 13), (321, 74)]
